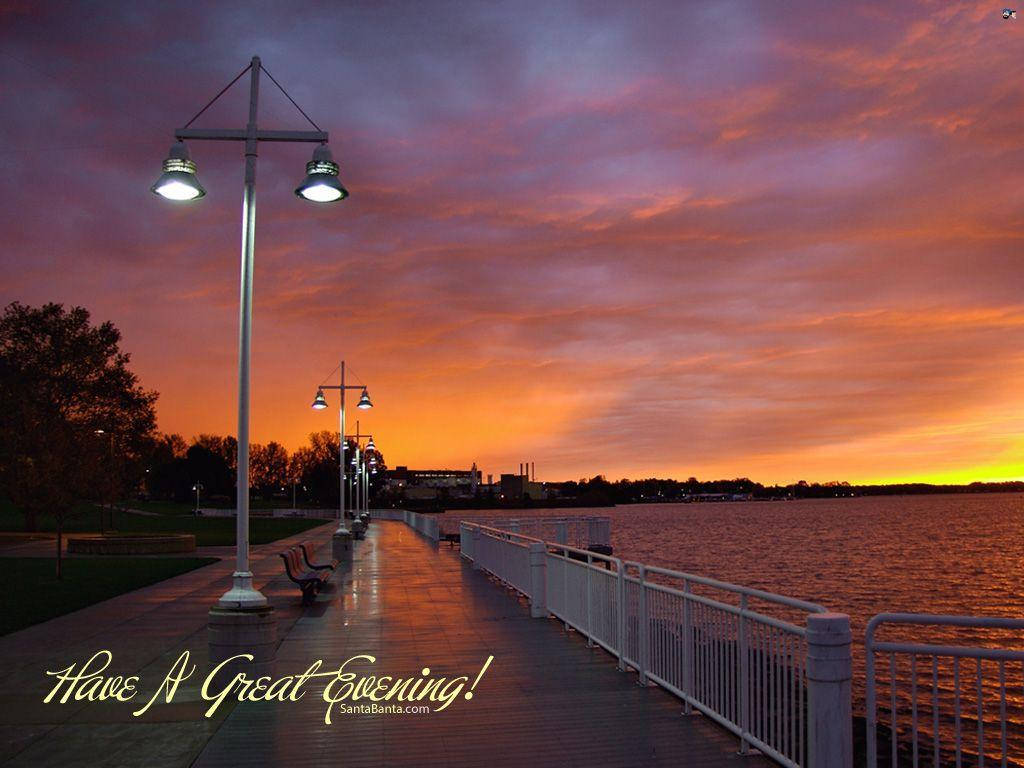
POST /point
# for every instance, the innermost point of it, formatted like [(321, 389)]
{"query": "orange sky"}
[(713, 239)]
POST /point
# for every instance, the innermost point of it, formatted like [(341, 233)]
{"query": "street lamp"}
[(321, 184), (99, 432), (319, 403), (179, 182)]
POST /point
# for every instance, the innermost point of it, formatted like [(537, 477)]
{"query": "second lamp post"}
[(319, 403)]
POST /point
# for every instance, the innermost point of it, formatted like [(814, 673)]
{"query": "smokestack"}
[(520, 469), (533, 471)]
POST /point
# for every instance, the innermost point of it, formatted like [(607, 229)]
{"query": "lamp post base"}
[(243, 634), (341, 548), (242, 596)]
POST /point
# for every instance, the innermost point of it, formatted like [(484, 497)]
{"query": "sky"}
[(722, 239)]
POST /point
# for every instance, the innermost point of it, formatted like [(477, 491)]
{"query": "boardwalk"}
[(546, 699)]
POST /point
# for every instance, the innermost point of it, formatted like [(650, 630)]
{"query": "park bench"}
[(313, 566), (310, 581)]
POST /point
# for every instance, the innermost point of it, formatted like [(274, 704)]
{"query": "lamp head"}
[(178, 181), (364, 400), (319, 402), (321, 184)]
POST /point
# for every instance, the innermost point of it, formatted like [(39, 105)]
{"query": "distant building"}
[(429, 483), (518, 486)]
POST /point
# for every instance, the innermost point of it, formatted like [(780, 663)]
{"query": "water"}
[(947, 554)]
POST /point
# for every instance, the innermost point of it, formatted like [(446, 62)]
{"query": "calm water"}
[(951, 554), (861, 556)]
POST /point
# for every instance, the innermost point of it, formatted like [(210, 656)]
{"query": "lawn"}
[(209, 531), (33, 594)]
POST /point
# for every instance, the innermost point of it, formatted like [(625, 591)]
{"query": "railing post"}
[(829, 706), (476, 549), (538, 581), (744, 678), (590, 621), (620, 614), (644, 621), (871, 709), (562, 532), (687, 649)]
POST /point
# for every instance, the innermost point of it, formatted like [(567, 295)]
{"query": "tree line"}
[(599, 490), (309, 475)]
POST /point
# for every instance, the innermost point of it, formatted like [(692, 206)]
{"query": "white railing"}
[(745, 669), (782, 688), (424, 524), (512, 558), (966, 712)]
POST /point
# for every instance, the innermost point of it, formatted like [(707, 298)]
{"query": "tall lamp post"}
[(319, 404), (179, 182)]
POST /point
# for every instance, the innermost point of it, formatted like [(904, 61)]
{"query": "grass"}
[(159, 507), (33, 594), (185, 508), (209, 531)]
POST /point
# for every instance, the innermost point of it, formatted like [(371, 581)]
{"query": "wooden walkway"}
[(547, 699)]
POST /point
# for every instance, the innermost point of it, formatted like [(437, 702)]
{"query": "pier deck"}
[(547, 699)]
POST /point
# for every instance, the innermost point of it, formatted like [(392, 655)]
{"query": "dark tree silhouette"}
[(74, 422)]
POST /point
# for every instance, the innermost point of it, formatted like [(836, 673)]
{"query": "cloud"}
[(723, 239)]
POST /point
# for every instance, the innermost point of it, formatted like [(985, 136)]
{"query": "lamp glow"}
[(321, 184), (178, 181)]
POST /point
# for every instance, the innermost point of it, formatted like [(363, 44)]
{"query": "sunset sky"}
[(778, 240)]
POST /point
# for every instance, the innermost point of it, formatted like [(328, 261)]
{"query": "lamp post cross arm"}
[(241, 134)]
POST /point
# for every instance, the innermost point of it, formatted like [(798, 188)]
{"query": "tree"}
[(63, 384), (317, 467), (268, 467), (225, 447)]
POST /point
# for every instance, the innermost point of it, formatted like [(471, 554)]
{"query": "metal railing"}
[(965, 712), (782, 688), (427, 525)]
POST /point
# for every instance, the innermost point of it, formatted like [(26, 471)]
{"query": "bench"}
[(310, 581), (313, 566)]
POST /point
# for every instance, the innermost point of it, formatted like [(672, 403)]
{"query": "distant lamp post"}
[(197, 488), (103, 526), (319, 403), (179, 182), (363, 460)]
